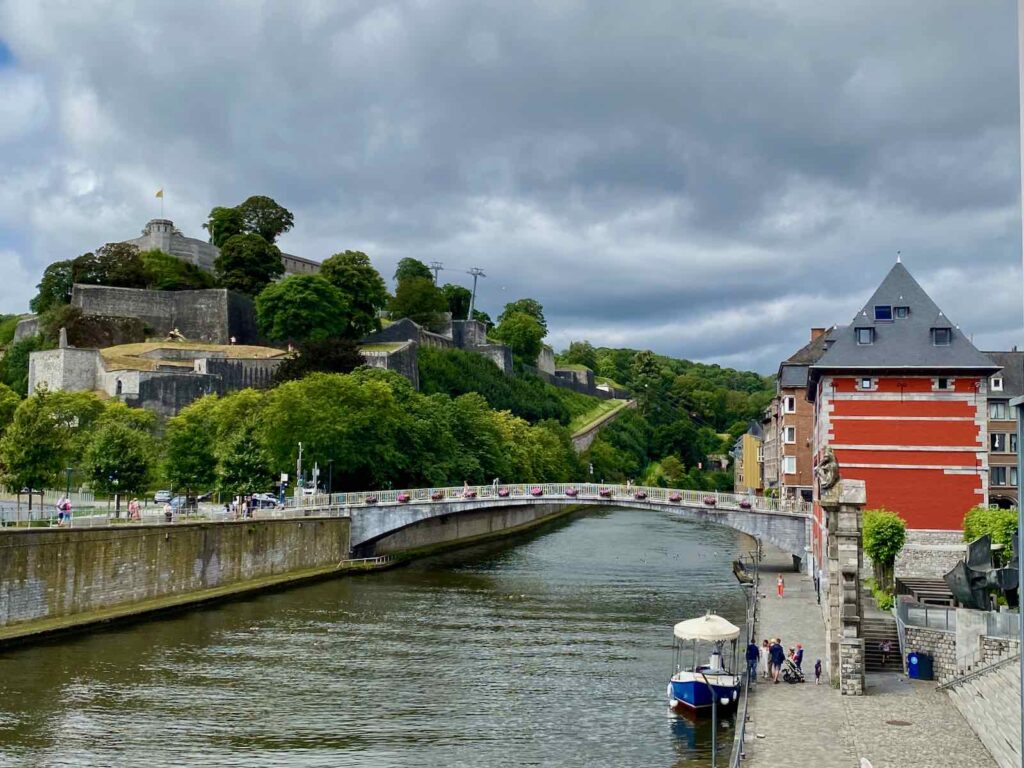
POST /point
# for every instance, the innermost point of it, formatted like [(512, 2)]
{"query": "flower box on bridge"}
[(605, 493), (710, 501), (503, 493), (571, 492), (640, 495), (404, 498), (744, 504), (370, 500), (469, 494), (437, 496), (536, 491), (675, 498)]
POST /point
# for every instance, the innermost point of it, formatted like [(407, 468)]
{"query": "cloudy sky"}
[(706, 179)]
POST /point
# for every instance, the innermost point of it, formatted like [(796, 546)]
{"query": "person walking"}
[(753, 654), (780, 586), (766, 660), (817, 672), (798, 657), (778, 656), (886, 649), (63, 510), (133, 510)]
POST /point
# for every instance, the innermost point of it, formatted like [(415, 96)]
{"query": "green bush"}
[(1001, 524), (165, 272), (7, 325), (885, 533)]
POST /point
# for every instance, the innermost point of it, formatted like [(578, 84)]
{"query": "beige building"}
[(747, 458)]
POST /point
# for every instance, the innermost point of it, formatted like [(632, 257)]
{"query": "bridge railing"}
[(710, 500)]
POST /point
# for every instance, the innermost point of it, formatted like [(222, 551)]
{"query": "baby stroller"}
[(791, 672)]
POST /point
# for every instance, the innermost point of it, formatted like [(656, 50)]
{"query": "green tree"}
[(409, 268), (244, 465), (169, 273), (580, 353), (189, 444), (119, 459), (33, 446), (248, 263), (54, 287), (1000, 524), (116, 264), (301, 308), (9, 402), (14, 364), (885, 533), (673, 470), (458, 299), (8, 326), (223, 224), (325, 356), (530, 307), (522, 333), (481, 316), (418, 299), (362, 286), (263, 216)]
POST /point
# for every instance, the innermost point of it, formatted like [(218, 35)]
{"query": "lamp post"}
[(330, 476)]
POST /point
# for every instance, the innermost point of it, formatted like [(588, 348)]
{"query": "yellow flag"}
[(160, 192)]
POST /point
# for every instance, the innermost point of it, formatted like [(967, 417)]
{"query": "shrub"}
[(885, 533), (1000, 524)]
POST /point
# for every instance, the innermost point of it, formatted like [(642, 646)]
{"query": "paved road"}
[(808, 725)]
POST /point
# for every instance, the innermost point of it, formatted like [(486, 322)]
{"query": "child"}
[(817, 672)]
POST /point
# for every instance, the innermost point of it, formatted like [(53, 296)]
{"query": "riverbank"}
[(898, 724)]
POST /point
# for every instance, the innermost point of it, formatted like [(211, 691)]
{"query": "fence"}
[(582, 491), (750, 630)]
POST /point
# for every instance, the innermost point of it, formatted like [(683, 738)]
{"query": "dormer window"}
[(901, 312), (942, 337), (883, 313), (865, 336), (997, 383)]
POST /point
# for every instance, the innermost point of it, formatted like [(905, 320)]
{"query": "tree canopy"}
[(120, 458), (263, 216), (580, 353), (223, 224), (412, 268), (420, 300), (522, 333), (54, 287), (326, 356), (458, 299), (301, 308), (248, 263), (362, 286), (885, 533), (530, 307)]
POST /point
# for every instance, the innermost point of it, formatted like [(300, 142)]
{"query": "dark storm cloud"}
[(707, 179)]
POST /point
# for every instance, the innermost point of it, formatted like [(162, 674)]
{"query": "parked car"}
[(183, 503), (264, 501), (162, 497)]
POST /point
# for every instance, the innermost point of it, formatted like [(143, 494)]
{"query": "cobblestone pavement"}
[(809, 726)]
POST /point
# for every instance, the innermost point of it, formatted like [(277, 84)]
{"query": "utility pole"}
[(477, 272), (437, 266), (298, 471)]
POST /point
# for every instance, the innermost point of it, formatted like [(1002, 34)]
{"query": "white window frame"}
[(996, 383), (950, 383), (871, 384), (998, 403), (789, 404), (789, 435), (789, 465), (997, 442)]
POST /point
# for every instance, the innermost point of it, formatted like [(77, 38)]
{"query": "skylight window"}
[(865, 336), (902, 312), (942, 337), (883, 312)]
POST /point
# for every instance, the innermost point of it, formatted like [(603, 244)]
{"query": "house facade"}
[(901, 397), (1003, 386), (747, 455)]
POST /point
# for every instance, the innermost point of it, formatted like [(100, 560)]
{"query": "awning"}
[(710, 628)]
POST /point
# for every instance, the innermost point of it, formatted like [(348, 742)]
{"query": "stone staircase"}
[(875, 629), (989, 699)]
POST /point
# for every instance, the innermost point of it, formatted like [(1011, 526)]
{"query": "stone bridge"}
[(379, 514)]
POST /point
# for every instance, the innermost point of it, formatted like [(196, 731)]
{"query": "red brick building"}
[(900, 397)]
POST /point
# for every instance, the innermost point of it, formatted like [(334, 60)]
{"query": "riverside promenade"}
[(800, 726)]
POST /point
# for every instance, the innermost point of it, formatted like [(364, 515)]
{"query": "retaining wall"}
[(55, 579), (940, 645), (989, 700)]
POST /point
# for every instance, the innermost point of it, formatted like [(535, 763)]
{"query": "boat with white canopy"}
[(701, 685)]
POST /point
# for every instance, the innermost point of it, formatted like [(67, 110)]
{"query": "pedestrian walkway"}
[(898, 724)]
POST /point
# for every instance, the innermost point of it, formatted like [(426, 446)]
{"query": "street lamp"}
[(330, 476)]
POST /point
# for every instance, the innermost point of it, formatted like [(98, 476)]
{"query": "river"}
[(550, 649)]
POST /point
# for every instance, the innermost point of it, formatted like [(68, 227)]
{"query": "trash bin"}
[(920, 666)]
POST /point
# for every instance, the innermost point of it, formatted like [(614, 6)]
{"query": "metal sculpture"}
[(972, 580)]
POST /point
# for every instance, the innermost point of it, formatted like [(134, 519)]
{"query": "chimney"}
[(817, 332)]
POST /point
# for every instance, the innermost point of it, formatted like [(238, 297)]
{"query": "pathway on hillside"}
[(808, 725)]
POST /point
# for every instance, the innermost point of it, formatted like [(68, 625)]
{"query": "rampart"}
[(57, 579), (214, 315)]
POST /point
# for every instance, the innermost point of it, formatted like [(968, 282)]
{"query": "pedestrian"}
[(168, 512), (798, 657), (753, 653), (778, 656), (133, 510), (494, 486), (817, 672), (63, 510), (766, 660), (465, 489), (780, 586), (886, 648)]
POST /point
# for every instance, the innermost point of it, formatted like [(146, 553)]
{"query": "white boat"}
[(699, 686)]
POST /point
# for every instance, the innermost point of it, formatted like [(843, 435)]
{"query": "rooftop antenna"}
[(436, 266), (898, 257), (475, 272)]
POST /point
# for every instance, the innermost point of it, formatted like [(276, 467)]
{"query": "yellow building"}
[(747, 460)]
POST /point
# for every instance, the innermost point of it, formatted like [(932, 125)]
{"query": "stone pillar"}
[(844, 503)]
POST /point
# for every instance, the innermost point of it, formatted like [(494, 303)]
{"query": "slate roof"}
[(793, 372), (1013, 373), (901, 343), (793, 375)]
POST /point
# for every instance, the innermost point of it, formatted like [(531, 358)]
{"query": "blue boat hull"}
[(696, 695)]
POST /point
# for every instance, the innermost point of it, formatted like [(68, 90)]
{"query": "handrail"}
[(741, 726), (709, 500), (958, 679)]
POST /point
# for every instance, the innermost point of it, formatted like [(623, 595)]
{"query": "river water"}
[(550, 649)]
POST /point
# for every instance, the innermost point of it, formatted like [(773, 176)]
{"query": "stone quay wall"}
[(57, 579), (990, 703), (995, 648)]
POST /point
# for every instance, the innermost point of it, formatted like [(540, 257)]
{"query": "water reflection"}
[(553, 649)]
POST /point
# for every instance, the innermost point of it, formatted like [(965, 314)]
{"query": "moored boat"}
[(699, 686)]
